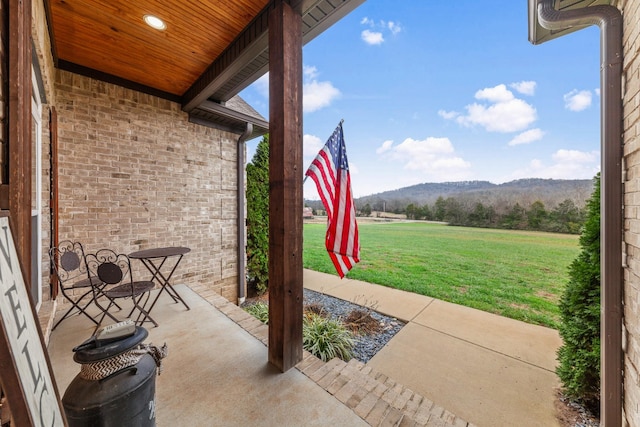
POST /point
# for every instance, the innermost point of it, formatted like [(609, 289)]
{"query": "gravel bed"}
[(366, 346)]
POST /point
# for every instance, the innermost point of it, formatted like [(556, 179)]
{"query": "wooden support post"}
[(20, 130), (285, 186)]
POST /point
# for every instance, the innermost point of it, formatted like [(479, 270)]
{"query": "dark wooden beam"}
[(20, 130), (246, 58), (251, 43), (285, 187)]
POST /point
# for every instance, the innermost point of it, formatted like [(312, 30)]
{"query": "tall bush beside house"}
[(579, 356), (258, 217)]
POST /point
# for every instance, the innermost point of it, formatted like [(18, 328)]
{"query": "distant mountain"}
[(551, 192)]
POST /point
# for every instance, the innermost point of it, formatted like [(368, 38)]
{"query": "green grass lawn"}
[(516, 274)]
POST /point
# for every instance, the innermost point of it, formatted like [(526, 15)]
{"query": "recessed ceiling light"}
[(155, 22)]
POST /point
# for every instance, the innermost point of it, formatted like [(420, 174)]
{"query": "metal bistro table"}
[(154, 259)]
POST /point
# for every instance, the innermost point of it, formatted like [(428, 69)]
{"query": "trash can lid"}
[(95, 353)]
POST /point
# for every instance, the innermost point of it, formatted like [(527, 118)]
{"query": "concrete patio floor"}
[(217, 374), (485, 370)]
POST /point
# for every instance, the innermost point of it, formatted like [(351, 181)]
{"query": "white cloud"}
[(375, 35), (315, 94), (394, 27), (499, 93), (564, 164), (386, 146), (353, 168), (527, 137), (448, 114), (597, 91), (434, 158), (309, 72), (510, 116), (251, 151), (372, 37), (575, 156), (577, 100), (503, 112), (311, 146), (366, 21), (524, 87), (262, 85)]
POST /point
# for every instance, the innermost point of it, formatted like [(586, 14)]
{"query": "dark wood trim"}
[(119, 81), (20, 130), (4, 197), (285, 187), (53, 193), (245, 60)]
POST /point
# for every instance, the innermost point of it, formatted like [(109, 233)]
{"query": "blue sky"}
[(438, 91)]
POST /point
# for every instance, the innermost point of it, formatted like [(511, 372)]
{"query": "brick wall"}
[(135, 174), (631, 84)]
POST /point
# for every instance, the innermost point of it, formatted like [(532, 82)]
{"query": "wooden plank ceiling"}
[(111, 36), (209, 51)]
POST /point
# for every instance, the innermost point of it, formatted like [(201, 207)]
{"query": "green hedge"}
[(579, 356), (258, 217)]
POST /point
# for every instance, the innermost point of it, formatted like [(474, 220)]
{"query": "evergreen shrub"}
[(258, 217), (579, 356)]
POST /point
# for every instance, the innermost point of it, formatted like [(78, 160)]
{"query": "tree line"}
[(566, 217)]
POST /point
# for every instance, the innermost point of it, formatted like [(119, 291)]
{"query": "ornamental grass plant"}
[(326, 338), (259, 310), (323, 337)]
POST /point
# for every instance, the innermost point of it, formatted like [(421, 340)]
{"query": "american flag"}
[(330, 171)]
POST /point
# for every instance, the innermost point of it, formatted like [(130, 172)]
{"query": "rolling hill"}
[(551, 192)]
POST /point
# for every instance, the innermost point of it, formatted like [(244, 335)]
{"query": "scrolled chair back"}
[(110, 267), (68, 260), (73, 279)]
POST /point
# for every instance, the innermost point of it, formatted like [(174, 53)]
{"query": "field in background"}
[(516, 274)]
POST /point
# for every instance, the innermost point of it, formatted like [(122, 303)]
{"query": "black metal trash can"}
[(124, 397)]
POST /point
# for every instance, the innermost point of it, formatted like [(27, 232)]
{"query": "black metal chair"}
[(69, 264), (114, 270)]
